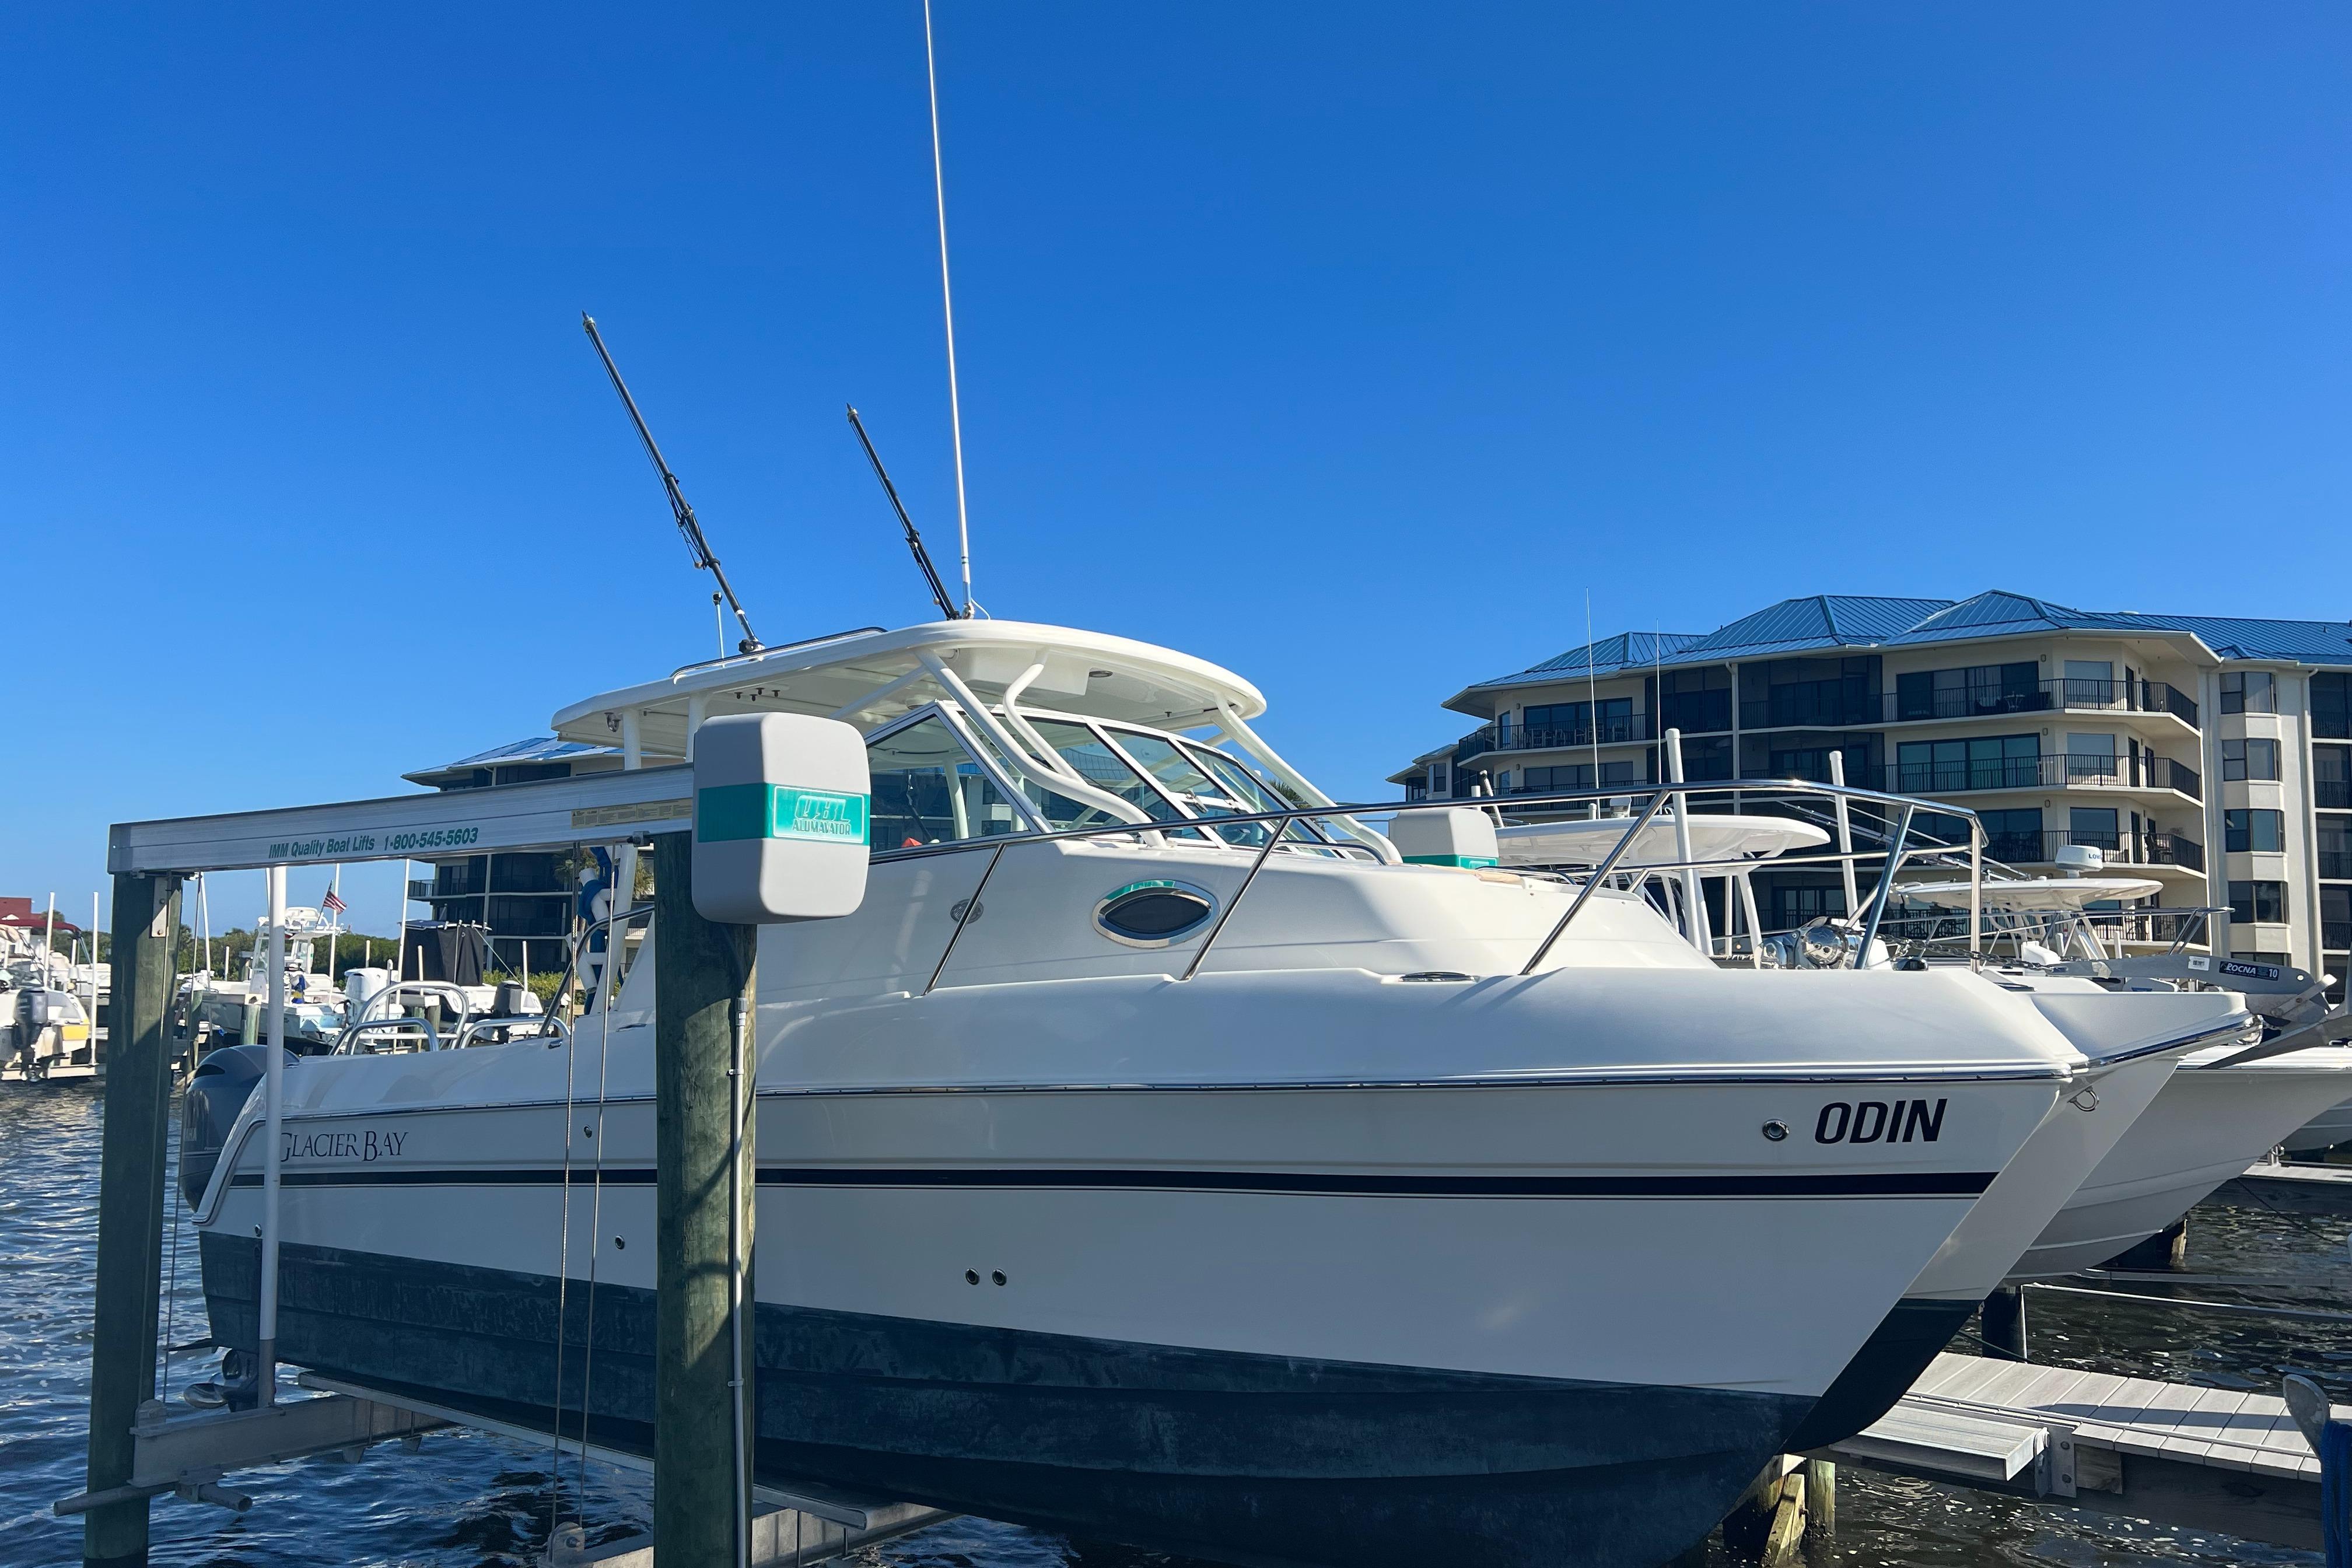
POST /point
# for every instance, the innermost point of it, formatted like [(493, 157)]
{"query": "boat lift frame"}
[(138, 1451)]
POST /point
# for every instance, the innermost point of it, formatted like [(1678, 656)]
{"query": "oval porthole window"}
[(1154, 914)]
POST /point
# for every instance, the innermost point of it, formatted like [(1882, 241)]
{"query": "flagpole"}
[(335, 922)]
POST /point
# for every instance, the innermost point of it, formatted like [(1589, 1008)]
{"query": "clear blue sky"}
[(1346, 345)]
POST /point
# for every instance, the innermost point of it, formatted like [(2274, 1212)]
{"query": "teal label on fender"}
[(1460, 862), (729, 812)]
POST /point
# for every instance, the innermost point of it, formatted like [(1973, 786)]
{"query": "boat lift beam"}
[(190, 1453), (549, 813)]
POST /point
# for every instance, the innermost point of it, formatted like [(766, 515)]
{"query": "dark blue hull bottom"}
[(1246, 1459), (1882, 1372)]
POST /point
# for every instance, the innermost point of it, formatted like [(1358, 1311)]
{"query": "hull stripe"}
[(1860, 1184)]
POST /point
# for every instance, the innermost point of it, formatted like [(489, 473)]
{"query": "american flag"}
[(331, 902)]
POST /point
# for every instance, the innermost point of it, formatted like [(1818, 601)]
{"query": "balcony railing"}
[(2336, 936), (2121, 848), (2040, 697), (2052, 772), (1823, 705), (2334, 794), (2336, 863), (1505, 736), (2172, 775)]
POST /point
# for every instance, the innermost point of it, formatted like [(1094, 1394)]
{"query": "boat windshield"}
[(928, 789), (939, 777), (1097, 762)]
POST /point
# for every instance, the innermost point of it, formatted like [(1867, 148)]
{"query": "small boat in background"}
[(52, 1003)]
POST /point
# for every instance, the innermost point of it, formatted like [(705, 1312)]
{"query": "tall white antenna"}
[(947, 298), (1592, 697)]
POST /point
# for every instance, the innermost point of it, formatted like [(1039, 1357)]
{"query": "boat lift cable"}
[(613, 945), (704, 560), (564, 1269), (2306, 1314), (171, 1294), (914, 539)]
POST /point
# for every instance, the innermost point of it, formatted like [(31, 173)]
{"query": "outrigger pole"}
[(914, 539), (704, 560)]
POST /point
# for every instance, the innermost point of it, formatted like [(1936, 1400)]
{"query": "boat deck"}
[(2174, 1453)]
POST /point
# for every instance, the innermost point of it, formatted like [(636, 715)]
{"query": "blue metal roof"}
[(1626, 650), (1853, 621), (538, 749), (1821, 620), (2304, 642)]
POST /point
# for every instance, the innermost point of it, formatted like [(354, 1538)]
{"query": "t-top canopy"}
[(868, 677), (1712, 837), (2037, 893)]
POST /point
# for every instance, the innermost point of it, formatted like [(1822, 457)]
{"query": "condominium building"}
[(2210, 753), (524, 901)]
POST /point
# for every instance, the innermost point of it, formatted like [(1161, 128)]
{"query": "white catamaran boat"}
[(1225, 1187), (2223, 1109)]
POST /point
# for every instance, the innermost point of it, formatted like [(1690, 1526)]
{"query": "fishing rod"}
[(914, 539), (704, 560)]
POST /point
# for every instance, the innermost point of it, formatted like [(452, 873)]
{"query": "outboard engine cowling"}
[(222, 1082)]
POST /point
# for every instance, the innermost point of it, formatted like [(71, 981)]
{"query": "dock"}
[(2174, 1453)]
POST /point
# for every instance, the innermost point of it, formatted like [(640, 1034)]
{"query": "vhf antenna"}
[(914, 539), (704, 560)]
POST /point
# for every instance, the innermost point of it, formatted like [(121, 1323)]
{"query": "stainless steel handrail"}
[(1599, 874), (1895, 849), (344, 1042)]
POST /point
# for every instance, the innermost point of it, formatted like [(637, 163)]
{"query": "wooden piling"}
[(129, 1208), (703, 982), (1785, 1538), (1820, 1499), (2167, 1248), (1766, 1525), (2002, 1321)]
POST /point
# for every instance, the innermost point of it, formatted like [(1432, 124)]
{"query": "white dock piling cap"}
[(782, 805)]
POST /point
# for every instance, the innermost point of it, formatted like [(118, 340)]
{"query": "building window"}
[(1570, 723), (1828, 692), (2093, 826), (2250, 759), (2012, 835), (2091, 759), (1578, 776), (2246, 831), (1692, 700), (2331, 776), (2336, 921), (2335, 846), (1985, 762), (2258, 956), (2258, 901), (1792, 907), (1964, 693), (2331, 705), (529, 772), (2090, 683), (2249, 691)]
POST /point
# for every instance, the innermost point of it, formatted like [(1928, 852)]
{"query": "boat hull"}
[(1244, 1458), (2204, 1126), (2322, 1132)]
